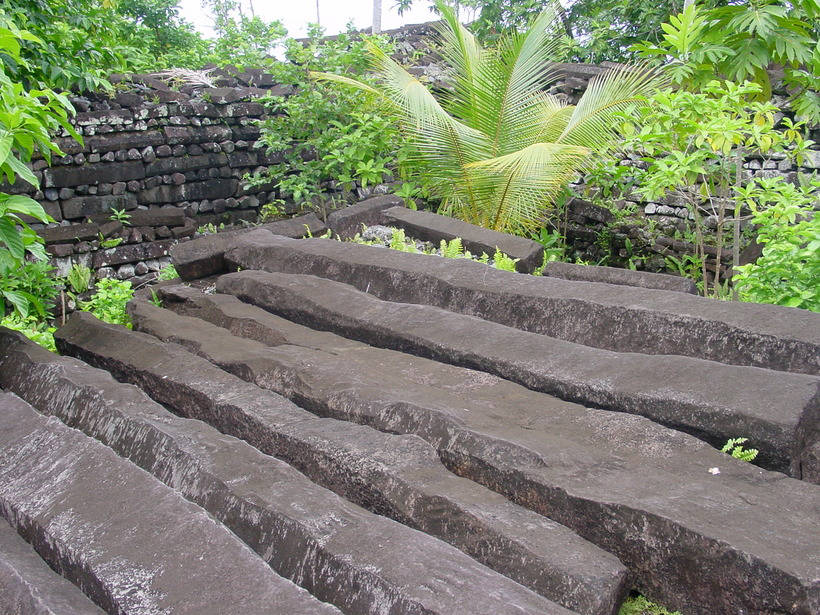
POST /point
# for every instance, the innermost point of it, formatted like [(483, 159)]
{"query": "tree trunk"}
[(318, 21), (377, 17)]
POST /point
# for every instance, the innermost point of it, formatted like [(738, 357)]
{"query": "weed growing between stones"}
[(734, 447), (108, 303), (638, 605), (36, 330), (398, 240), (167, 273)]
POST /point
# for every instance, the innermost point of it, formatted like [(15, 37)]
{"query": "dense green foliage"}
[(740, 41), (109, 300), (321, 134), (788, 226), (26, 120), (498, 150)]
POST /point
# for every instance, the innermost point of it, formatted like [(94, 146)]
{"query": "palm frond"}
[(341, 79), (592, 123), (517, 188), (461, 50), (519, 67)]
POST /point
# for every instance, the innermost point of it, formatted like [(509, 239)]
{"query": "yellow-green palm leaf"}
[(497, 149)]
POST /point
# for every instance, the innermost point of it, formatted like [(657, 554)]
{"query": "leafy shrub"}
[(79, 278), (26, 119), (168, 272), (109, 301), (30, 289), (36, 330), (320, 134), (639, 605), (788, 226), (739, 42)]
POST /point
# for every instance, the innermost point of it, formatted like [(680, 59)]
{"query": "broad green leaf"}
[(10, 236)]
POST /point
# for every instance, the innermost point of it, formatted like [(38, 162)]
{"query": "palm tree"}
[(498, 149), (377, 17)]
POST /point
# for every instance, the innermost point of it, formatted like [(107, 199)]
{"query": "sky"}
[(333, 14)]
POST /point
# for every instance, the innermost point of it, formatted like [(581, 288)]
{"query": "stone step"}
[(428, 226), (397, 476), (777, 411), (28, 586), (743, 540), (129, 542), (619, 318), (339, 552), (202, 257), (621, 277)]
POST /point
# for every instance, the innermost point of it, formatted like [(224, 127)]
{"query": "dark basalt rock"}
[(67, 234), (158, 216), (348, 222), (621, 277), (129, 542), (203, 256), (617, 479), (87, 206), (100, 173), (28, 586), (335, 549), (619, 318), (432, 227), (397, 476), (779, 412), (131, 253)]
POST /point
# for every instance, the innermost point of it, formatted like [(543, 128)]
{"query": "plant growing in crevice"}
[(109, 300), (498, 150), (734, 447)]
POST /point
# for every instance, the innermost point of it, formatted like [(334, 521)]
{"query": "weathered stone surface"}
[(67, 234), (165, 166), (778, 411), (348, 221), (297, 227), (191, 191), (702, 543), (621, 277), (156, 216), (340, 552), (395, 476), (87, 206), (428, 226), (28, 586), (131, 253), (129, 542), (617, 318), (93, 174), (203, 256), (184, 135)]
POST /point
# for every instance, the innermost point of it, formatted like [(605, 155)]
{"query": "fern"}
[(452, 249), (503, 262), (734, 447)]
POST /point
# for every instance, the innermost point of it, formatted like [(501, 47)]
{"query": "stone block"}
[(621, 277), (619, 318), (347, 222), (111, 527), (92, 174), (82, 207), (432, 227)]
